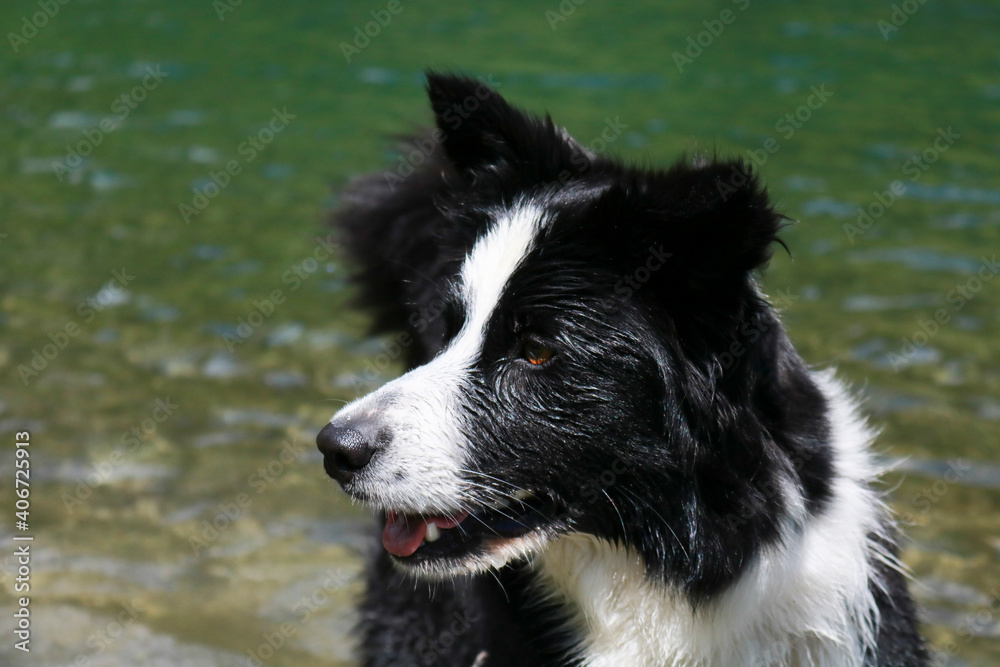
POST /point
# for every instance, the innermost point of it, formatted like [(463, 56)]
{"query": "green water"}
[(120, 518)]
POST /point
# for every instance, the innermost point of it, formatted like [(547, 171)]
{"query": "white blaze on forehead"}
[(482, 279), (421, 470), (493, 259)]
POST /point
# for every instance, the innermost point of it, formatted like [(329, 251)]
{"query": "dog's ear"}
[(725, 223), (713, 220), (483, 132)]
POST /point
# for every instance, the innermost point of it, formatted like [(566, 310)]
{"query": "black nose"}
[(345, 451)]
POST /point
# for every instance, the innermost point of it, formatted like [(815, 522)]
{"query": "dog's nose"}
[(346, 451)]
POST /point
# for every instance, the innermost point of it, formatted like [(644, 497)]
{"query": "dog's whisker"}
[(500, 512), (666, 523), (500, 584), (620, 518), (498, 494), (479, 473), (515, 499), (335, 400), (485, 525)]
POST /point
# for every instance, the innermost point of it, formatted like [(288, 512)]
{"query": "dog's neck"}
[(806, 600)]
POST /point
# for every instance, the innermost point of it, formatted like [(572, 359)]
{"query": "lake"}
[(176, 322)]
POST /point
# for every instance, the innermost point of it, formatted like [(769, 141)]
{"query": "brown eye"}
[(536, 353)]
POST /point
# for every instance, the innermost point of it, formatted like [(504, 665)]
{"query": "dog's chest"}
[(621, 618)]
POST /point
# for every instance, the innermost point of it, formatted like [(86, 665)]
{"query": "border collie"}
[(605, 451)]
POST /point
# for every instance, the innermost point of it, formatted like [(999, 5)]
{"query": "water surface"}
[(175, 483)]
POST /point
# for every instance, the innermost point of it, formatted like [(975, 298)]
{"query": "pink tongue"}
[(403, 534)]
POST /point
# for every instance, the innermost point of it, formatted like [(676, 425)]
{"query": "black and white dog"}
[(606, 452)]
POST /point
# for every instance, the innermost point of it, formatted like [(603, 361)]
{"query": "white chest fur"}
[(627, 620)]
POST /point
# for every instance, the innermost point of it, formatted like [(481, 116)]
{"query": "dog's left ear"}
[(709, 226), (483, 132)]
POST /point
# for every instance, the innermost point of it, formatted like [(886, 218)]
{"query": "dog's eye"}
[(536, 353)]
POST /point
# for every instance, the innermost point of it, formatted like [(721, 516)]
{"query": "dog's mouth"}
[(423, 540)]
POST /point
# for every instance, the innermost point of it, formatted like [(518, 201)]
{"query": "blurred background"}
[(175, 324)]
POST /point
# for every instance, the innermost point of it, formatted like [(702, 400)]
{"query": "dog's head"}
[(601, 338)]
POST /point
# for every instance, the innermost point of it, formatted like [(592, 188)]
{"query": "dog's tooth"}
[(433, 533), (523, 494)]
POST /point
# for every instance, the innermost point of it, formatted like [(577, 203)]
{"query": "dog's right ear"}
[(483, 132)]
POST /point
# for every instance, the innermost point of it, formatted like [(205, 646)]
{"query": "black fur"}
[(687, 372)]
